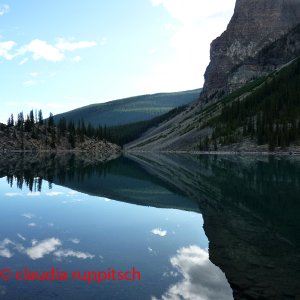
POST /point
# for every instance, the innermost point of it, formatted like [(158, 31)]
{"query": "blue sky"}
[(59, 55)]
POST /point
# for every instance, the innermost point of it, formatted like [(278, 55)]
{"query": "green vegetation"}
[(48, 134), (54, 133), (270, 114), (124, 134), (129, 110)]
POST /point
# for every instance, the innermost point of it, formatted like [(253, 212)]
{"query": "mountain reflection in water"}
[(250, 207)]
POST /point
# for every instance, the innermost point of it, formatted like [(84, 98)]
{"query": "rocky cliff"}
[(262, 36), (236, 55)]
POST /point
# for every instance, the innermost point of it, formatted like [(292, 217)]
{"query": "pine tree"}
[(51, 121), (40, 117)]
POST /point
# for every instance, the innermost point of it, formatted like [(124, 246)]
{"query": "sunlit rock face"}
[(255, 25)]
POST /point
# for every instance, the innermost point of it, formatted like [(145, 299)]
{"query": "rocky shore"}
[(43, 140)]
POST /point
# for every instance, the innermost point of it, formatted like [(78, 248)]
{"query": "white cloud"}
[(5, 48), (170, 26), (40, 249), (34, 242), (197, 24), (54, 194), (192, 11), (32, 224), (202, 280), (34, 194), (4, 251), (21, 237), (76, 59), (28, 216), (74, 241), (42, 50), (23, 61), (159, 232), (73, 193), (30, 83), (72, 46), (34, 74), (170, 274), (4, 9), (72, 253), (13, 194)]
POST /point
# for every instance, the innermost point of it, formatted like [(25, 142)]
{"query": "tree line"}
[(77, 132), (34, 124), (269, 115)]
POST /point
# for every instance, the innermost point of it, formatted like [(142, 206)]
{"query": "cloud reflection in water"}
[(39, 249), (202, 280)]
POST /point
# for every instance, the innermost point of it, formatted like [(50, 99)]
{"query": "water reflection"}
[(120, 179), (201, 278), (39, 249), (250, 208), (61, 211)]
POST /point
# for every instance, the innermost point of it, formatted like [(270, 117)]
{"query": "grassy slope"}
[(130, 110)]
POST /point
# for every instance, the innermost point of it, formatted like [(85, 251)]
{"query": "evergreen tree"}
[(51, 121), (31, 116), (40, 117)]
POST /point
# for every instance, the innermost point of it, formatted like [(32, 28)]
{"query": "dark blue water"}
[(188, 226), (102, 221)]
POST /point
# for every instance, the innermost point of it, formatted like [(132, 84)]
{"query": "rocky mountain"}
[(236, 56), (250, 87)]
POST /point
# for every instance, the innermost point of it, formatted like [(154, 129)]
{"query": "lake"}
[(149, 227)]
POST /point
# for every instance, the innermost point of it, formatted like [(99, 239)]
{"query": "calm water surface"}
[(77, 215)]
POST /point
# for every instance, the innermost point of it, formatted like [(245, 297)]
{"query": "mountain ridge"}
[(131, 109)]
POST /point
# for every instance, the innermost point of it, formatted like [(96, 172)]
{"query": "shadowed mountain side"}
[(251, 211), (130, 110), (120, 179)]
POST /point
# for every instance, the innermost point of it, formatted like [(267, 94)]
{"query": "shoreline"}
[(264, 153), (238, 153)]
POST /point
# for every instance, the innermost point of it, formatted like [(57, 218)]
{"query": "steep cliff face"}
[(255, 25), (262, 36)]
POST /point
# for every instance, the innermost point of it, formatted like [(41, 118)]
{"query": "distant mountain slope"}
[(263, 115), (249, 101), (129, 110)]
